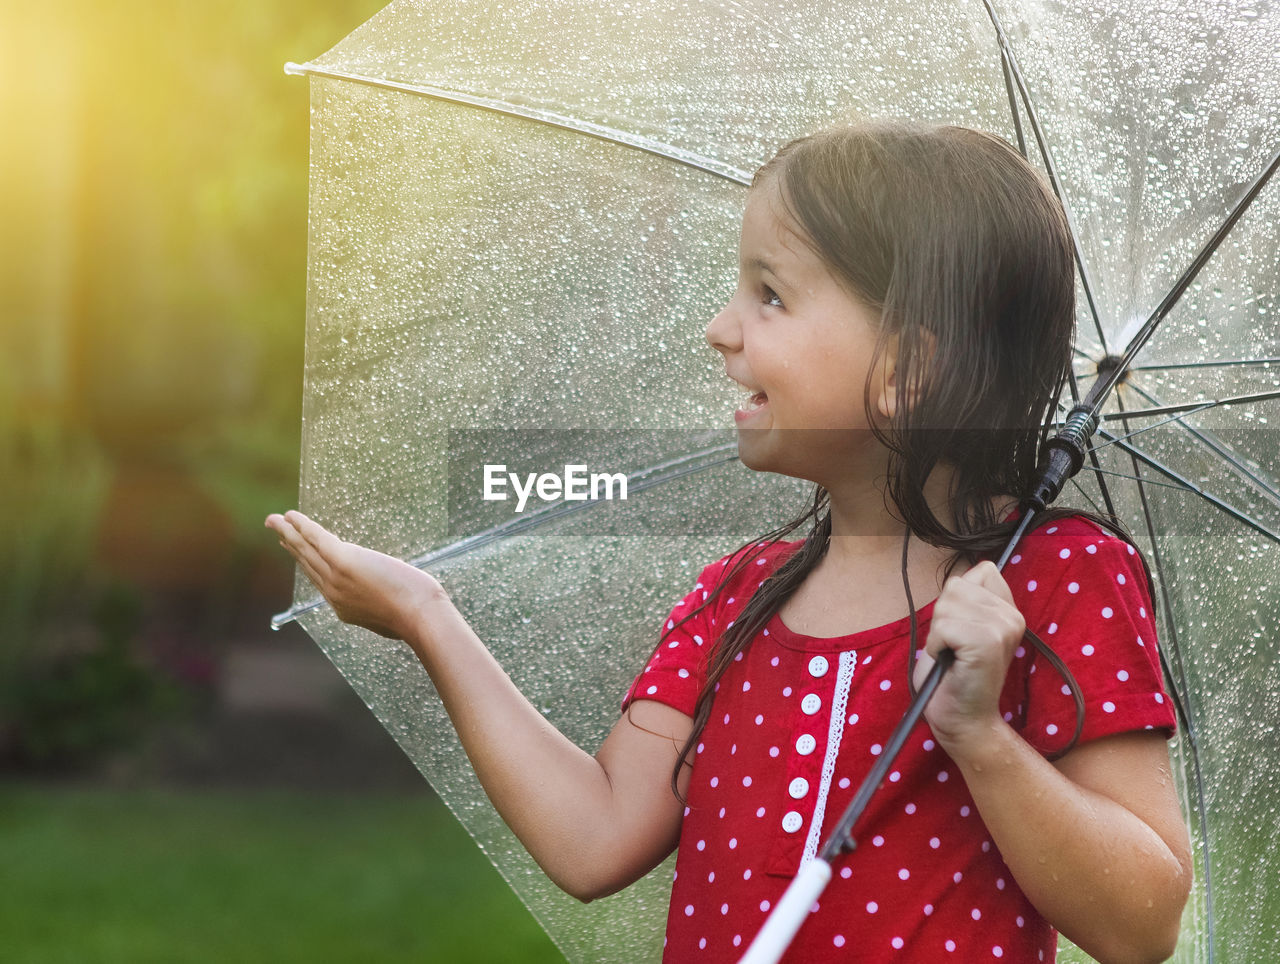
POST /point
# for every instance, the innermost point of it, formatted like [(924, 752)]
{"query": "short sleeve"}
[(1093, 609), (677, 670)]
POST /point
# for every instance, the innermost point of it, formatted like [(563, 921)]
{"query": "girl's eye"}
[(771, 297)]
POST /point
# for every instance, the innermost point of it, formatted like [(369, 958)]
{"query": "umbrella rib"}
[(1096, 465), (1177, 686), (1006, 52), (1075, 481), (670, 470), (1135, 478), (1147, 428), (1185, 408), (636, 482), (1178, 411), (1013, 104), (1190, 486), (1218, 448), (1230, 363), (707, 165)]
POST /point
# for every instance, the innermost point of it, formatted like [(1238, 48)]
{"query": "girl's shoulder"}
[(1085, 592), (748, 565), (723, 587), (677, 667), (1073, 570), (1074, 537)]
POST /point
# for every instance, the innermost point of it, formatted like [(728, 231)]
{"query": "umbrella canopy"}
[(522, 216)]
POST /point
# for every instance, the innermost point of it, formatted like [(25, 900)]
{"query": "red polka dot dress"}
[(797, 722)]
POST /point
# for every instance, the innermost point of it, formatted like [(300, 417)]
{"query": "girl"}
[(901, 327)]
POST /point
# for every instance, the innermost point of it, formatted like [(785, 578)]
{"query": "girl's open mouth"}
[(752, 405)]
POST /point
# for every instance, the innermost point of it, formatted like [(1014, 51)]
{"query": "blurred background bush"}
[(176, 782)]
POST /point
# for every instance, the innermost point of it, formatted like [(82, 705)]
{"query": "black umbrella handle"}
[(1063, 457)]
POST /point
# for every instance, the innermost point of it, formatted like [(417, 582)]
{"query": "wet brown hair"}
[(964, 252)]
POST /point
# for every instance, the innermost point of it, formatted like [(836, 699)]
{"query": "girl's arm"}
[(594, 824), (1096, 841)]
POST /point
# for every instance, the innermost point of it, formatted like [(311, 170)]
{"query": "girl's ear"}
[(889, 389), (886, 387)]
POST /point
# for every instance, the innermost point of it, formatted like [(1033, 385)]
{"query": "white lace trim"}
[(835, 730)]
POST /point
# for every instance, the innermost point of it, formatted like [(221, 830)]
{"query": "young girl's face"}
[(802, 346)]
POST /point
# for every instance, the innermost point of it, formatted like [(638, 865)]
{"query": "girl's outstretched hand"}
[(974, 617), (364, 587)]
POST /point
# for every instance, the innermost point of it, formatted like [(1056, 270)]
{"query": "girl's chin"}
[(756, 453), (751, 452), (821, 456)]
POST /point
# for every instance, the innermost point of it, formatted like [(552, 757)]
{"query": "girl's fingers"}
[(324, 548), (300, 559), (924, 664), (303, 549), (956, 614), (317, 535), (975, 608), (986, 575), (364, 587)]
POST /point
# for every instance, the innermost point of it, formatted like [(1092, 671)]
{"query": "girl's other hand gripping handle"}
[(976, 619)]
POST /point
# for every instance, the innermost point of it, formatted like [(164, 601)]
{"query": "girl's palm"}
[(365, 587)]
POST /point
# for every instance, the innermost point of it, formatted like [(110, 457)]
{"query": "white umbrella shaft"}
[(775, 936)]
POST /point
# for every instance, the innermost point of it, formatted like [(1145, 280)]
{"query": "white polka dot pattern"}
[(926, 881)]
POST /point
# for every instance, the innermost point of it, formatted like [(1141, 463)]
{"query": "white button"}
[(818, 666), (806, 745), (811, 703), (798, 788), (792, 822)]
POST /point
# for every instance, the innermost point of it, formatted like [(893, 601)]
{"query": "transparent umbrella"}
[(522, 216)]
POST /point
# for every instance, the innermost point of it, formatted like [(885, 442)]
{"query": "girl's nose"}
[(723, 333)]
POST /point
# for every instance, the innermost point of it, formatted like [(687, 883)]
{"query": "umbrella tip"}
[(291, 68)]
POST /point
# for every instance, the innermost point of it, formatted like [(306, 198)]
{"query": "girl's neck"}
[(867, 533), (867, 537), (863, 509), (858, 583)]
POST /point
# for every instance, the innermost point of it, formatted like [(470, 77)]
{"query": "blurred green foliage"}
[(55, 479), (153, 186), (62, 709)]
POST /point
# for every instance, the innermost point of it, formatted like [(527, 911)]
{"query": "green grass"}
[(92, 875)]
